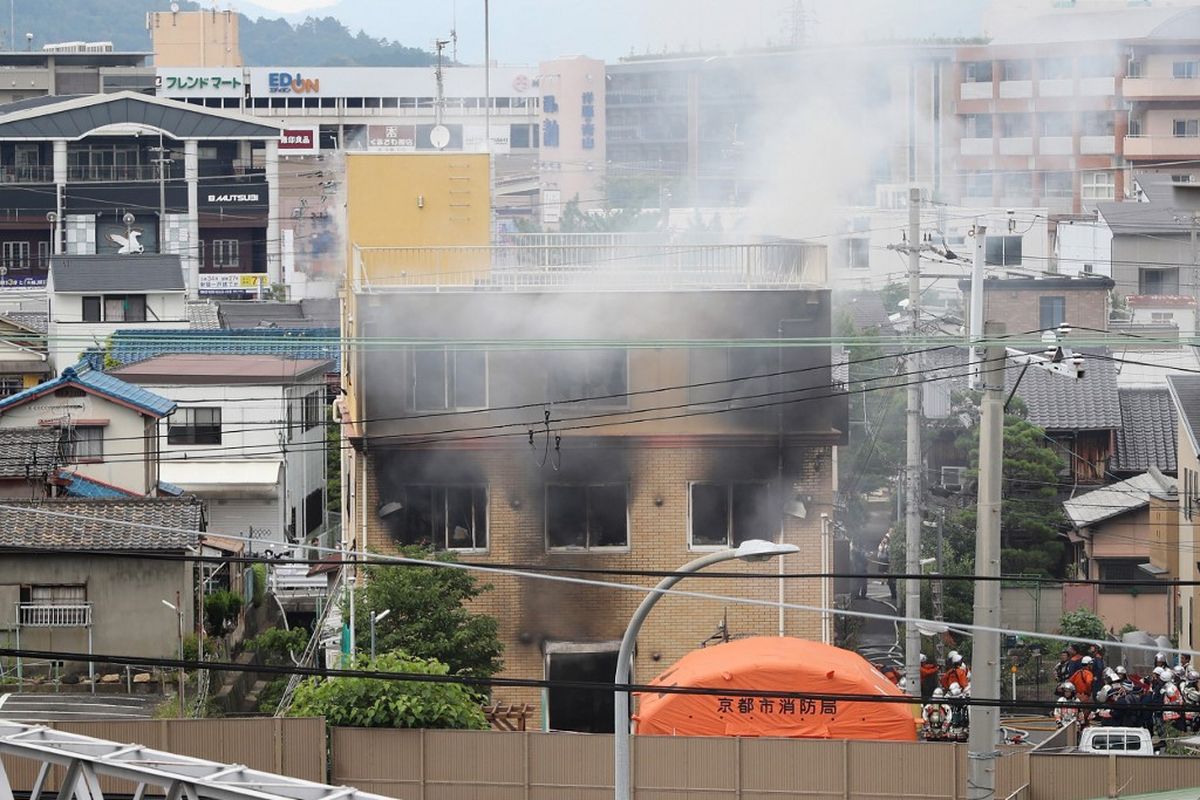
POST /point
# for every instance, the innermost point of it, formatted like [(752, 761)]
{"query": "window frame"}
[(1006, 241), (226, 253), (311, 408), (729, 487), (586, 548), (70, 441), (440, 491), (1088, 185), (190, 429), (1058, 310), (449, 381)]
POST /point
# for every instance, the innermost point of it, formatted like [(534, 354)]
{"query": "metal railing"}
[(105, 173), (29, 173), (66, 615), (314, 642), (571, 264)]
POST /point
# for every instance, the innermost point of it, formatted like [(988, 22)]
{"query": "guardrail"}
[(37, 615)]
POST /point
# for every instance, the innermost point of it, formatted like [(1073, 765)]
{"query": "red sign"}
[(295, 141)]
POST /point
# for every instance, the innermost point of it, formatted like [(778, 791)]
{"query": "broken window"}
[(441, 517), (601, 377), (727, 514), (571, 708), (586, 517), (444, 378)]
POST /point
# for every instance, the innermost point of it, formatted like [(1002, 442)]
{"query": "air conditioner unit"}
[(952, 478)]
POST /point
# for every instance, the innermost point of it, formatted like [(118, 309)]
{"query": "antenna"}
[(440, 45), (454, 31)]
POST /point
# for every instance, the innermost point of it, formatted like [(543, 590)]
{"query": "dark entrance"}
[(581, 710)]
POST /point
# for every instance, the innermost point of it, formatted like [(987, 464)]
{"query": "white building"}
[(248, 436), (864, 256), (93, 296)]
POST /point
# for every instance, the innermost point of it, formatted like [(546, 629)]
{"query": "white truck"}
[(1116, 741)]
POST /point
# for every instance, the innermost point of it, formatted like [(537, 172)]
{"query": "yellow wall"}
[(195, 38)]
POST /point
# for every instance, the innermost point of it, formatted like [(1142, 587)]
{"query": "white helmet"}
[(922, 658), (1162, 673), (1193, 675), (955, 689), (1102, 694), (1160, 657), (1067, 687), (903, 684), (955, 658), (1086, 660), (1121, 670), (1111, 674), (1178, 669), (938, 692)]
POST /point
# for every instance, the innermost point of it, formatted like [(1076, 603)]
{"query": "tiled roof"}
[(1147, 436), (158, 523), (1185, 391), (315, 313), (28, 452), (130, 347), (202, 316), (35, 321), (1113, 500), (865, 310), (88, 379), (113, 273), (1059, 403), (77, 485)]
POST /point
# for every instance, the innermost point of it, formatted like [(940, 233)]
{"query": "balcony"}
[(1162, 147), (1097, 145), (1016, 146), (1056, 87), (975, 147), (1014, 90), (68, 615), (583, 262), (1056, 145), (120, 173), (1093, 87), (26, 174), (979, 90), (1161, 88)]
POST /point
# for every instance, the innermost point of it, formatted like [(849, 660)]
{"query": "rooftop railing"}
[(591, 262)]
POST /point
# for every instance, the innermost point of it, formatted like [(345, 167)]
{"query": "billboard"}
[(200, 82), (299, 141), (232, 282)]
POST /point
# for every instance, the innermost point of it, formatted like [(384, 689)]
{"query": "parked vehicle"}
[(1117, 741)]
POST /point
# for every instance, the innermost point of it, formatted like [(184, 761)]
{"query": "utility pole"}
[(976, 319), (913, 471), (985, 656), (162, 161), (438, 109)]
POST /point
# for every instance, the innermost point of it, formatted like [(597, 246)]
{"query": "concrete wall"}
[(1082, 243), (128, 618), (1037, 607), (1130, 251), (125, 461), (1019, 304), (198, 39)]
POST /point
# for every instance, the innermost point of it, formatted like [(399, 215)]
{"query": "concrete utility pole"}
[(985, 657), (913, 469), (976, 318)]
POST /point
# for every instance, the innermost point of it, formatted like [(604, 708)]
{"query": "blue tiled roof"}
[(83, 376), (170, 488), (132, 346), (79, 486)]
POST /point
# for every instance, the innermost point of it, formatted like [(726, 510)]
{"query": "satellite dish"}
[(174, 8), (439, 136)]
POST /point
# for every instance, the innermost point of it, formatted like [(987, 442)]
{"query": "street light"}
[(750, 550), (179, 617), (377, 618)]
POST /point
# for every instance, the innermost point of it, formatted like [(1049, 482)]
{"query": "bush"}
[(221, 610), (191, 648), (260, 584), (380, 703), (1081, 624), (276, 646)]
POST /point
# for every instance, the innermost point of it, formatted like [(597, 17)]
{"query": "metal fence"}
[(592, 265), (294, 747), (61, 615)]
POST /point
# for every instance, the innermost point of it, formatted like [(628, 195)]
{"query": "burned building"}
[(599, 411)]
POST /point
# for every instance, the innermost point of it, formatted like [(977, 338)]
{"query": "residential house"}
[(1081, 417), (608, 454), (30, 461), (1029, 305), (92, 297), (108, 430), (1111, 534), (248, 436), (23, 358), (1185, 393), (57, 594)]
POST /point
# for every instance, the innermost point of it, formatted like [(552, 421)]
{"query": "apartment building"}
[(1051, 113)]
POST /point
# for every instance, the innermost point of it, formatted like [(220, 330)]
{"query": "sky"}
[(525, 31)]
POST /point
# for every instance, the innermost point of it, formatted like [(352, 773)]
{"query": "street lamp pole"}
[(377, 618), (177, 607), (750, 550)]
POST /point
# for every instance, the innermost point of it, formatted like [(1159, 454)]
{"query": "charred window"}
[(444, 378), (600, 377), (586, 517), (727, 514), (726, 375), (441, 517)]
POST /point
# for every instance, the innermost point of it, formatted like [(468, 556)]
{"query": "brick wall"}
[(533, 613), (1020, 308)]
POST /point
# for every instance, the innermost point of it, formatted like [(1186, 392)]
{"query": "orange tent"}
[(782, 664)]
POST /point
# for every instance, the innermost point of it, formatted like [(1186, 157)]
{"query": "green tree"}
[(429, 618), (383, 703), (1082, 624)]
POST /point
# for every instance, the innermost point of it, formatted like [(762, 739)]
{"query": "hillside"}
[(314, 42)]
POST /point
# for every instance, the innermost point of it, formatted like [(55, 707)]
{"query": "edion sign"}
[(299, 141)]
